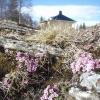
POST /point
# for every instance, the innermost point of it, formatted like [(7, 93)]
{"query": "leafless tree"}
[(3, 6), (26, 19), (35, 24), (22, 3), (13, 10), (20, 6)]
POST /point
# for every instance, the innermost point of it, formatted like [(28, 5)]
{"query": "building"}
[(59, 19)]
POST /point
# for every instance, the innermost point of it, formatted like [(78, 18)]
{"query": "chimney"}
[(60, 12)]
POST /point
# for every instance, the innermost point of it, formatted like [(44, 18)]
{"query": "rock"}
[(30, 46), (91, 82), (13, 26), (78, 94)]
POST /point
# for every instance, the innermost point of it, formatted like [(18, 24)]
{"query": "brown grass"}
[(54, 35)]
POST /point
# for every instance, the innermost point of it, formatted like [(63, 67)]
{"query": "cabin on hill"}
[(59, 19)]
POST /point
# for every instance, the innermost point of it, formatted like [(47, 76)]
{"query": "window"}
[(61, 23), (67, 24)]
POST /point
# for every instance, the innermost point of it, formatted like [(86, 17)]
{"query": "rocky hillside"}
[(64, 61)]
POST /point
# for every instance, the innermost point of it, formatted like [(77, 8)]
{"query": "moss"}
[(58, 73), (61, 72), (6, 64)]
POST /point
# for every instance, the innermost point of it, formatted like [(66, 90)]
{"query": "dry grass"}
[(68, 39), (54, 35), (60, 35)]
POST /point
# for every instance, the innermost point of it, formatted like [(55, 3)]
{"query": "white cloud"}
[(83, 13)]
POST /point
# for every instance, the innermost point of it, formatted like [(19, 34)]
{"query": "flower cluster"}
[(89, 46), (40, 54), (15, 80), (28, 61), (9, 52), (49, 93), (84, 62), (5, 81)]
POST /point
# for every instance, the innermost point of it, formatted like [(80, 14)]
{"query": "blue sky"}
[(87, 11), (66, 2)]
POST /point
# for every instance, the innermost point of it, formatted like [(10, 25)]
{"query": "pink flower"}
[(73, 66), (7, 75), (49, 93), (90, 56), (55, 94), (19, 54), (97, 63), (21, 59), (29, 69), (45, 96), (45, 52), (56, 87), (26, 55), (84, 62), (8, 99), (36, 61), (6, 35), (90, 65), (9, 85), (47, 88), (51, 97), (6, 51), (51, 90), (84, 69), (20, 65), (46, 91), (34, 68), (78, 67), (11, 52), (5, 81), (26, 82), (28, 62), (89, 46), (36, 55), (42, 98), (39, 55)]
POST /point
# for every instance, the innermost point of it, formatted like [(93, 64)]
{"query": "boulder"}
[(90, 80), (88, 87), (30, 47), (78, 94)]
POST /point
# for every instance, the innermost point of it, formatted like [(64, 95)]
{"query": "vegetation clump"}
[(43, 75)]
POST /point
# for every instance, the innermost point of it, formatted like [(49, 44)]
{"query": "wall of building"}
[(52, 23)]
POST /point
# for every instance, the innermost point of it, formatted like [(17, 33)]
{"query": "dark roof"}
[(60, 16)]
